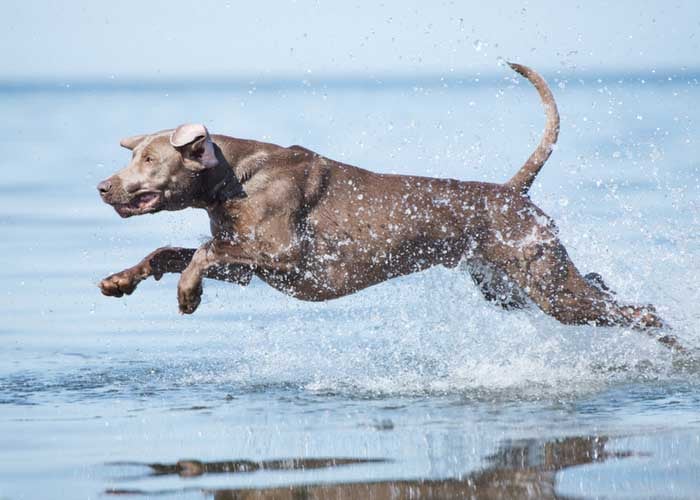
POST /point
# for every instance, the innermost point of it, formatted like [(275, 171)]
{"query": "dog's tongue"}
[(144, 199)]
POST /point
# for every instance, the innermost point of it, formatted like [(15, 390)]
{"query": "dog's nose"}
[(104, 187)]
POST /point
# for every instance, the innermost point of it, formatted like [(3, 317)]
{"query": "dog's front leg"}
[(160, 261), (167, 260), (207, 262)]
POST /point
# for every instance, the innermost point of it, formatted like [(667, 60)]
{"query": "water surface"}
[(413, 387)]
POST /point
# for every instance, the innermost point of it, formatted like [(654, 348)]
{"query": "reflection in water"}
[(523, 469), (192, 468)]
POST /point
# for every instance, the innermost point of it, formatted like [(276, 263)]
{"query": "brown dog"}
[(318, 229)]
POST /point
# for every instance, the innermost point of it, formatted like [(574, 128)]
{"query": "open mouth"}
[(141, 203)]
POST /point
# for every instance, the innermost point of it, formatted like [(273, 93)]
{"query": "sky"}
[(156, 40)]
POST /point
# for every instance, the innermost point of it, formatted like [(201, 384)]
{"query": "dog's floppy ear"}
[(132, 142), (193, 142)]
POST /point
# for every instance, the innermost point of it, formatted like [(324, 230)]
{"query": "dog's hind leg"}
[(546, 273), (596, 281), (541, 267), (495, 285)]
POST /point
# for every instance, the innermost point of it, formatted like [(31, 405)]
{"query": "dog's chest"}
[(226, 218)]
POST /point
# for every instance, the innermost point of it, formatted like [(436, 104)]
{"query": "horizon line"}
[(349, 80)]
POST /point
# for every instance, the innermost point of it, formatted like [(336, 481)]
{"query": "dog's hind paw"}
[(642, 317), (596, 281)]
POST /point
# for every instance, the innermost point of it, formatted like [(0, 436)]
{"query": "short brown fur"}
[(318, 229)]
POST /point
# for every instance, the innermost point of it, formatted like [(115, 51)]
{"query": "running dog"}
[(318, 229)]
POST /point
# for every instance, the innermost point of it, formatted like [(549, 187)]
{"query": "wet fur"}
[(318, 229)]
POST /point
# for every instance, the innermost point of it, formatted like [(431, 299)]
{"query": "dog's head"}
[(165, 172)]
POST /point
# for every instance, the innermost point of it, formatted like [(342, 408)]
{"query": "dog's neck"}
[(218, 183), (239, 160)]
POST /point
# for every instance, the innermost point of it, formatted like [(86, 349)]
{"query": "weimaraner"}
[(318, 229)]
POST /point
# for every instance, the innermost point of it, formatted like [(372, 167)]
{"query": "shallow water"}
[(416, 386)]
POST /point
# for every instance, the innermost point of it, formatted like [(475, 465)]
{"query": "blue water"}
[(419, 371)]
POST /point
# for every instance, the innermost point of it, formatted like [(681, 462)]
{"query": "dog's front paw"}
[(121, 283), (189, 294)]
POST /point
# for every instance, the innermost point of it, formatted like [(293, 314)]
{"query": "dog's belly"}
[(369, 228), (379, 228), (332, 282), (329, 271), (315, 288)]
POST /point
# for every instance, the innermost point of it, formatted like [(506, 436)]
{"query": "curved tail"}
[(523, 179)]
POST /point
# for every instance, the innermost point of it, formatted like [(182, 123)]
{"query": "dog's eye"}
[(148, 159)]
